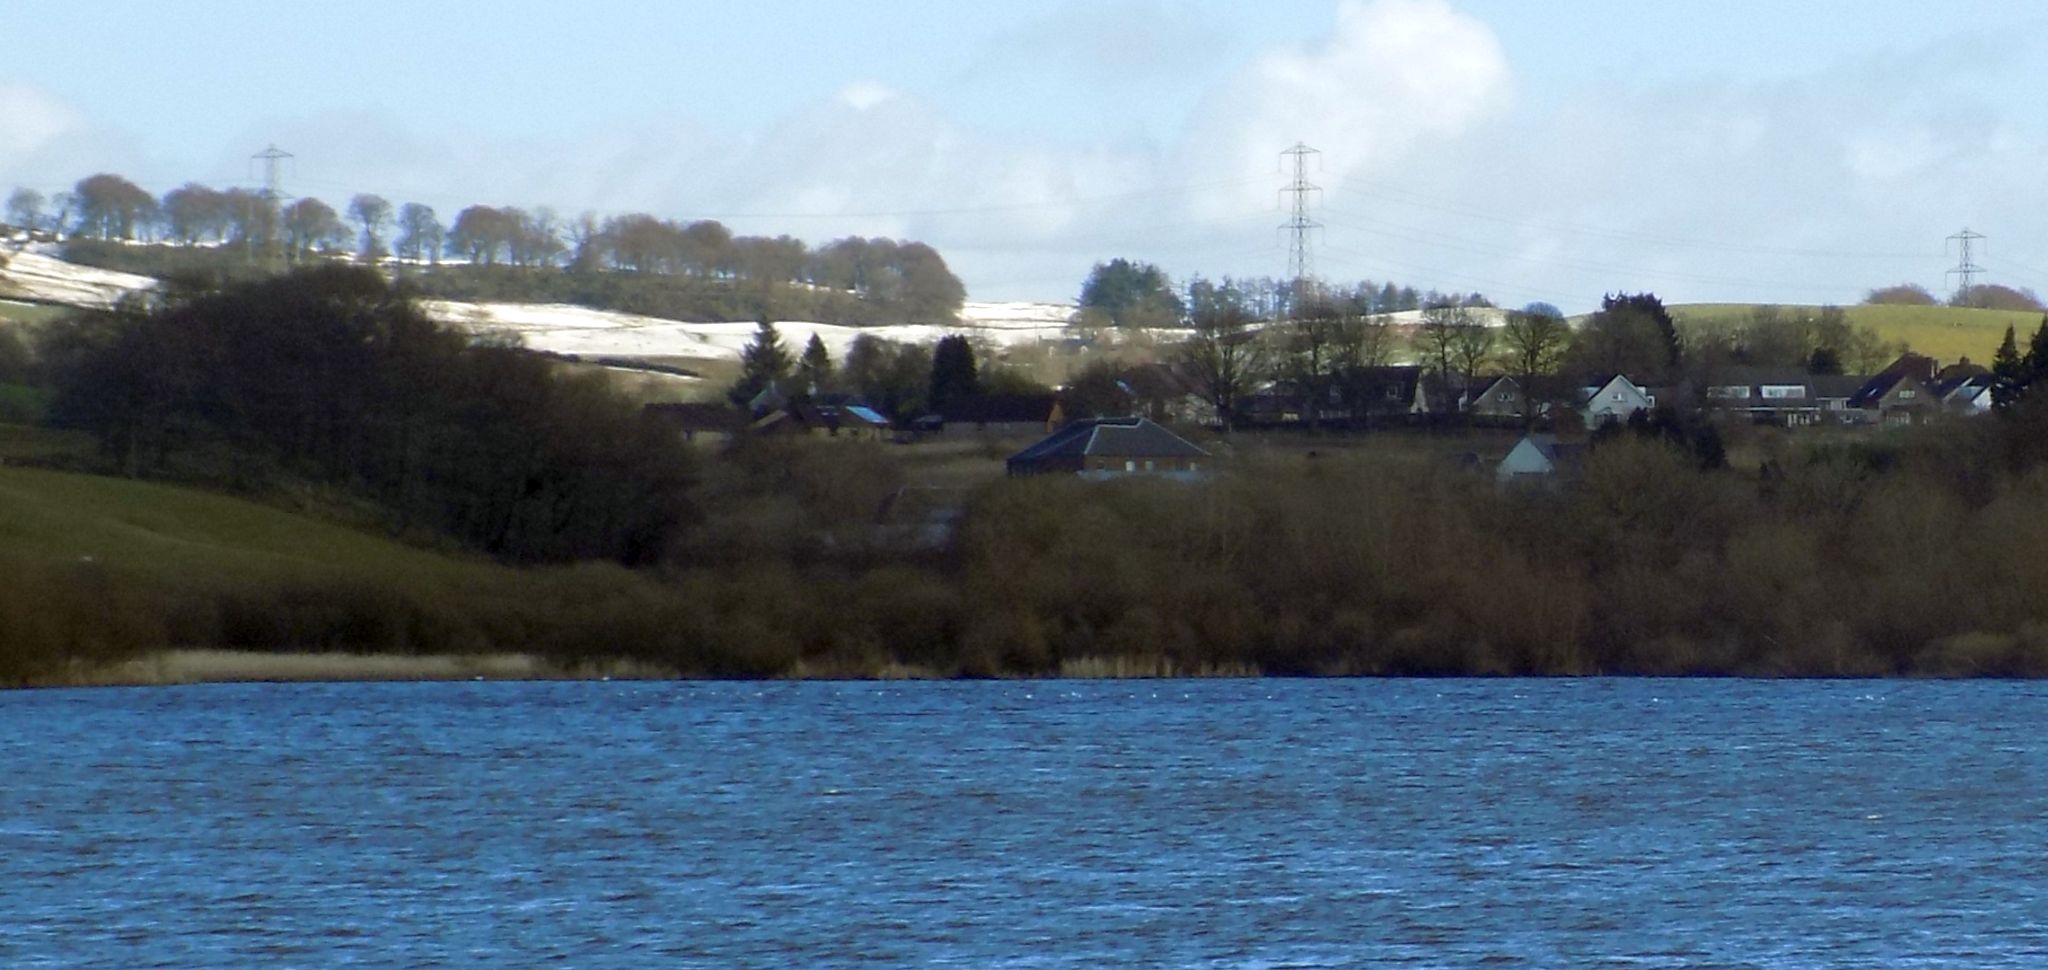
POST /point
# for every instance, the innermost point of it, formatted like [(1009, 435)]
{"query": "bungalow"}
[(1765, 395), (1541, 456), (849, 421), (1395, 390), (1611, 400), (1103, 448), (1002, 414)]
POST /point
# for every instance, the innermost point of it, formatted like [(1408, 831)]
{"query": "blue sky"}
[(1737, 150)]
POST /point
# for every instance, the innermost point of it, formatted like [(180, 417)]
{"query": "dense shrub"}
[(333, 376)]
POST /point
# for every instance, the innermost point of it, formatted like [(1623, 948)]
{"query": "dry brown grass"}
[(172, 667), (1147, 668)]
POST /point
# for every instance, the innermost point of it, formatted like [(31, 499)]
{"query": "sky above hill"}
[(1740, 150)]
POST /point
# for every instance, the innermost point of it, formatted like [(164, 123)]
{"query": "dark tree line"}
[(1129, 293), (2014, 373), (901, 380), (330, 374)]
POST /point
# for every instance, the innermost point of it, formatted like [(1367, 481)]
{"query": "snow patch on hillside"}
[(32, 273), (584, 332), (26, 274)]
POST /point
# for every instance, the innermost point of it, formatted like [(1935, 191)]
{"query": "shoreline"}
[(186, 667), (192, 667), (175, 668)]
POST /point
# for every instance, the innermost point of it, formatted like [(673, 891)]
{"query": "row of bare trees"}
[(1334, 339), (910, 276)]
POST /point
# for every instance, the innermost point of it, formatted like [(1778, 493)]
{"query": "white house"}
[(1614, 401), (1540, 456)]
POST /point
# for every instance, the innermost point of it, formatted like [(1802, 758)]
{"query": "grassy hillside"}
[(182, 538), (1944, 333), (97, 570)]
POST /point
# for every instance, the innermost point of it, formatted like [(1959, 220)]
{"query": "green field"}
[(1943, 333), (98, 571), (183, 538)]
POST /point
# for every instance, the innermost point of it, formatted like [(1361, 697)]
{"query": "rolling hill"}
[(1943, 333)]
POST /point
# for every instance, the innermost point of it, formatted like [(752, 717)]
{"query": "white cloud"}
[(862, 95), (32, 120), (1391, 76)]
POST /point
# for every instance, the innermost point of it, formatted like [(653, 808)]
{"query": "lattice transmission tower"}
[(1301, 227), (272, 199), (1966, 266)]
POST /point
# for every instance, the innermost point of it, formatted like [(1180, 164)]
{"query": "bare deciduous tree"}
[(372, 216)]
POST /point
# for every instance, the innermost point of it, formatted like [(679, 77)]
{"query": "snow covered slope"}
[(26, 274), (29, 274), (565, 329)]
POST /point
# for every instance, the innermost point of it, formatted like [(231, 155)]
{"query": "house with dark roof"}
[(1966, 394), (1103, 448), (999, 414), (1765, 395), (1899, 395), (1832, 392), (856, 422), (1500, 397), (1396, 390)]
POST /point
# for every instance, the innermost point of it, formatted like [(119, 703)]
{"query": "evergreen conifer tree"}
[(2009, 373), (763, 362), (2035, 364), (954, 376), (814, 368)]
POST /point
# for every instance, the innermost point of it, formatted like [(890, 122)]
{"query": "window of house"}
[(1905, 395), (1130, 466), (1148, 465), (1783, 391)]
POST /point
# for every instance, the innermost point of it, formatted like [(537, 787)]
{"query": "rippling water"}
[(1233, 824)]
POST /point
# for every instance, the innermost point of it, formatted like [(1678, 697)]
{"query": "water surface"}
[(1049, 824)]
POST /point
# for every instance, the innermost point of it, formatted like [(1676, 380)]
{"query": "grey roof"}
[(1753, 376), (1973, 382), (1837, 385), (1876, 388), (1555, 450), (1479, 387), (1112, 438)]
